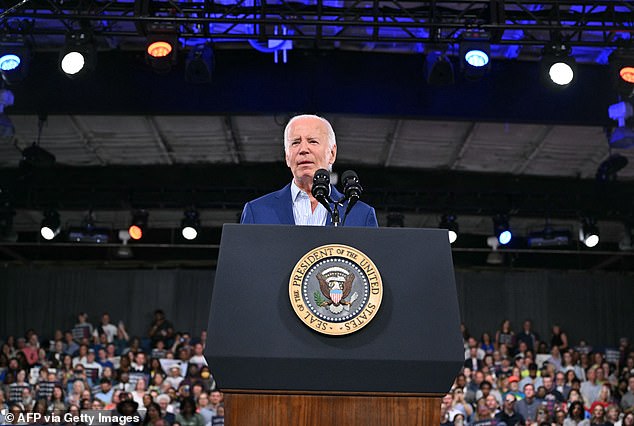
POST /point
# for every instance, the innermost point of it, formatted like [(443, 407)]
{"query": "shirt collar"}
[(296, 191)]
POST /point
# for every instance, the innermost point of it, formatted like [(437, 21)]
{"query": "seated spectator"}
[(483, 415), (16, 388), (591, 387), (188, 415), (216, 399), (527, 407), (106, 391), (198, 358), (597, 415), (57, 404), (153, 414), (82, 329), (627, 401), (105, 327), (508, 414), (613, 415), (219, 418), (161, 330), (175, 378)]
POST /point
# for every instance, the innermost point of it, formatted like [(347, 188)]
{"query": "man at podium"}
[(309, 145)]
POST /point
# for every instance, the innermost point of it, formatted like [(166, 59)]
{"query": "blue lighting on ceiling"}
[(9, 62)]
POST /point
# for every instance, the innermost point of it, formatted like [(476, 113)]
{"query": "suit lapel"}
[(285, 210)]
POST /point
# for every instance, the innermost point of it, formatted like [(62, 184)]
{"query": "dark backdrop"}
[(596, 306)]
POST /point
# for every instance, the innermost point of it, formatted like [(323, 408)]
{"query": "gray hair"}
[(332, 141)]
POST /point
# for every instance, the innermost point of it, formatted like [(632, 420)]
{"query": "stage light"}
[(138, 224), (494, 257), (622, 136), (199, 65), (449, 223), (78, 56), (190, 224), (161, 47), (502, 229), (475, 52), (439, 69), (558, 66), (622, 71), (51, 225), (608, 169), (14, 59), (589, 232)]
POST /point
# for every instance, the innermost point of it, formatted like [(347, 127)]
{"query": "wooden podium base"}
[(271, 408)]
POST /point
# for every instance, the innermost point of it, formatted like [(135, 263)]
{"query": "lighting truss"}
[(591, 24)]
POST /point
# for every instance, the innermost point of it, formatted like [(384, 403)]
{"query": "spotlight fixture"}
[(190, 224), (34, 155), (548, 236), (160, 48), (14, 60), (449, 223), (475, 52), (124, 251), (89, 231), (622, 136), (589, 232), (622, 71), (502, 229), (395, 220), (439, 69), (78, 56), (138, 224), (51, 225), (495, 257), (199, 65), (607, 170), (558, 66)]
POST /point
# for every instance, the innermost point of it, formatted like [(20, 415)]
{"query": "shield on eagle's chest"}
[(335, 295)]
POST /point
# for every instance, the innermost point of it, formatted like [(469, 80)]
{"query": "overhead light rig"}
[(600, 24)]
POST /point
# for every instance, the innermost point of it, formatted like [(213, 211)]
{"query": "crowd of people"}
[(515, 378), (160, 379)]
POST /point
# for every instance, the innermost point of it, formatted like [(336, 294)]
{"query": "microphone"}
[(321, 186), (351, 188), (321, 192)]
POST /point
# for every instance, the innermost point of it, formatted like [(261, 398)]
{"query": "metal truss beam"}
[(594, 23)]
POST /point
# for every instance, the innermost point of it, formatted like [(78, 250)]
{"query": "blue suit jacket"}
[(276, 208)]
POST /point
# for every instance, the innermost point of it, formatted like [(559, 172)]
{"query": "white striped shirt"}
[(302, 210)]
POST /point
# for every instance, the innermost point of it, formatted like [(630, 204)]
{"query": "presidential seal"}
[(335, 289)]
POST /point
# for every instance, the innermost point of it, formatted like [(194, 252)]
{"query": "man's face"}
[(509, 402), (491, 402), (214, 398), (529, 391), (548, 382), (308, 149)]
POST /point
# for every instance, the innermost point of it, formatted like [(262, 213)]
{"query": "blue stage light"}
[(505, 237), (476, 58), (9, 62), (502, 229), (475, 54)]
